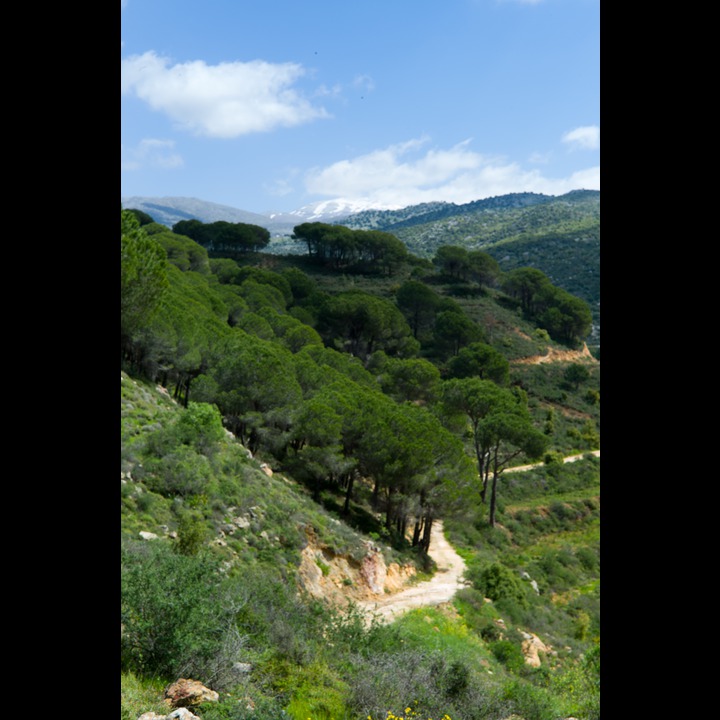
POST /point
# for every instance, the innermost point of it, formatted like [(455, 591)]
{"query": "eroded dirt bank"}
[(439, 589)]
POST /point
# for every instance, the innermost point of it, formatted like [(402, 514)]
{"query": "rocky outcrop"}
[(187, 693), (532, 646), (373, 571), (338, 578), (179, 714)]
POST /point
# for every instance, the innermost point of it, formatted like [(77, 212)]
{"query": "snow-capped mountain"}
[(330, 210), (170, 210)]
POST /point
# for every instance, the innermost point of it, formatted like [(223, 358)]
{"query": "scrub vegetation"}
[(347, 399)]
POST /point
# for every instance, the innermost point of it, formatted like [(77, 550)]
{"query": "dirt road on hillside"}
[(439, 589), (446, 581), (570, 458)]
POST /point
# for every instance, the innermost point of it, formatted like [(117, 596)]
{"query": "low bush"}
[(177, 618), (531, 702), (509, 654), (498, 582), (578, 686), (183, 472)]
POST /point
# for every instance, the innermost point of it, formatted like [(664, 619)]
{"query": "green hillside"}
[(558, 235), (286, 420)]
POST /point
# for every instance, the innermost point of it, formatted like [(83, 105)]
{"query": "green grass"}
[(140, 695), (567, 497)]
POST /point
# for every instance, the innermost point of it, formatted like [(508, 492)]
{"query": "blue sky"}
[(274, 104)]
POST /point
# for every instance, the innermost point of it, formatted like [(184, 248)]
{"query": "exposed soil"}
[(439, 589), (570, 458), (554, 355)]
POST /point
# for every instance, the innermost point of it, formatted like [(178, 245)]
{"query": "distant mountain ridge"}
[(170, 210), (389, 220), (359, 214)]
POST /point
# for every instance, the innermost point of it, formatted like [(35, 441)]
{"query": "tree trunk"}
[(492, 500), (493, 491), (417, 530), (376, 495), (425, 544), (348, 492), (389, 508)]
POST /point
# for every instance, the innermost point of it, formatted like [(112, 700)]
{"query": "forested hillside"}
[(558, 235), (328, 408)]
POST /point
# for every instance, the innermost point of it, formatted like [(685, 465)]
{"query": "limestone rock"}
[(186, 693), (242, 521), (532, 646), (374, 571), (179, 714), (309, 574)]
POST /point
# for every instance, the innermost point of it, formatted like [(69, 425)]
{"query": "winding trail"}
[(439, 589), (448, 578), (568, 459)]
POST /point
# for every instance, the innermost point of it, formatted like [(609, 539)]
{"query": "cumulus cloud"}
[(583, 138), (150, 153), (225, 100), (410, 173)]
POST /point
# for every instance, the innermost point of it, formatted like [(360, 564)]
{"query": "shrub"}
[(181, 473), (192, 532), (255, 707), (530, 702), (588, 558), (200, 426), (175, 614), (499, 582), (582, 625), (579, 686), (455, 679), (553, 458), (432, 687), (509, 654)]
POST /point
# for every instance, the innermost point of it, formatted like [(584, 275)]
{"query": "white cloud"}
[(325, 91), (224, 100), (364, 82), (588, 179), (150, 153), (399, 175), (583, 138)]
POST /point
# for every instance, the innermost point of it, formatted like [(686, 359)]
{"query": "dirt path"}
[(570, 458), (446, 581), (439, 589), (555, 355)]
